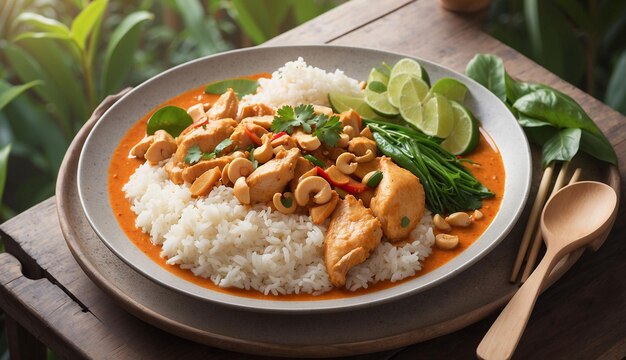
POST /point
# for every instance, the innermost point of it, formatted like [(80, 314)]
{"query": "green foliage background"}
[(60, 58)]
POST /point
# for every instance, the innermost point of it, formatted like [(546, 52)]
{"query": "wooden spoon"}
[(571, 219)]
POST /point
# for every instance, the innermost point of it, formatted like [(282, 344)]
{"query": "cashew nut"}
[(440, 223), (337, 176), (319, 109), (350, 131), (197, 112), (205, 182), (322, 212), (242, 191), (307, 142), (346, 163), (225, 179), (239, 154), (139, 150), (369, 156), (277, 200), (161, 148), (239, 167), (477, 215), (446, 242), (313, 184), (264, 152), (459, 219)]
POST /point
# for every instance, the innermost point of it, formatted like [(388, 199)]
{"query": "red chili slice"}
[(278, 135), (353, 187)]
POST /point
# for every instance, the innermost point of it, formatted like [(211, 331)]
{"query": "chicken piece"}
[(359, 146), (302, 166), (263, 121), (353, 233), (255, 110), (139, 150), (364, 168), (399, 200), (240, 137), (162, 147), (226, 106), (351, 118), (273, 176), (174, 172), (206, 137), (191, 173)]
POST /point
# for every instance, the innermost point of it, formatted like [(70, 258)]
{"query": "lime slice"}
[(464, 136), (410, 101), (376, 97), (438, 117), (451, 88), (341, 103), (394, 89), (410, 66)]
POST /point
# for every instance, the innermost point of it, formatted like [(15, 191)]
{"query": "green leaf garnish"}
[(377, 87), (222, 145), (194, 154), (169, 118), (241, 87), (255, 163), (326, 129)]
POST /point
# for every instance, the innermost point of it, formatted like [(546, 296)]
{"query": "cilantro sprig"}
[(326, 128), (195, 154)]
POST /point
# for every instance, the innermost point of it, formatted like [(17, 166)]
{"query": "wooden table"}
[(49, 300)]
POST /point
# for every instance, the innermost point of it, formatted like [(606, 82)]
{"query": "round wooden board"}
[(461, 301)]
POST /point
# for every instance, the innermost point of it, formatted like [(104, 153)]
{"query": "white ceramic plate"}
[(356, 63)]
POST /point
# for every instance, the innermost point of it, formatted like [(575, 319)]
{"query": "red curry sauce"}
[(490, 173)]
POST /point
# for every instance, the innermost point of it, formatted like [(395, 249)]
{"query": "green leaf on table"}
[(616, 89), (123, 41), (516, 89), (87, 20), (540, 135), (559, 110), (241, 87), (8, 95), (527, 121), (4, 160), (598, 147), (562, 146), (44, 23), (169, 118), (488, 70)]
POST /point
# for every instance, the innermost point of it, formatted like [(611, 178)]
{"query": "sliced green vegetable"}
[(341, 103), (451, 88), (374, 179), (405, 222), (315, 161), (241, 87), (169, 118), (287, 202)]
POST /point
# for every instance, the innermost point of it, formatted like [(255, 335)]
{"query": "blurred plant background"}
[(60, 58)]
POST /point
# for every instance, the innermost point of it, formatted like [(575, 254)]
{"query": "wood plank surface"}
[(582, 316)]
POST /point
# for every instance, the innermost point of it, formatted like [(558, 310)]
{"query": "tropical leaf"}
[(4, 160), (563, 146), (616, 89), (118, 57), (261, 19), (87, 20), (209, 41), (6, 96), (44, 24)]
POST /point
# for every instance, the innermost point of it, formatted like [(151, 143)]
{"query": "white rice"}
[(291, 85), (247, 247), (251, 247)]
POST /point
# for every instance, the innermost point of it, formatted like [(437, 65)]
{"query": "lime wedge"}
[(410, 66), (394, 88), (341, 103), (451, 88), (376, 94), (410, 101), (438, 119), (376, 75), (464, 136)]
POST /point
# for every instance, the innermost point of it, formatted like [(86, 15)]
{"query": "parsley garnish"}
[(195, 154), (326, 129)]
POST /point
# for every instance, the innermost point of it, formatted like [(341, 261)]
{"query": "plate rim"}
[(331, 305)]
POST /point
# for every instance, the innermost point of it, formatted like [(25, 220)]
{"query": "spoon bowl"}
[(574, 217)]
